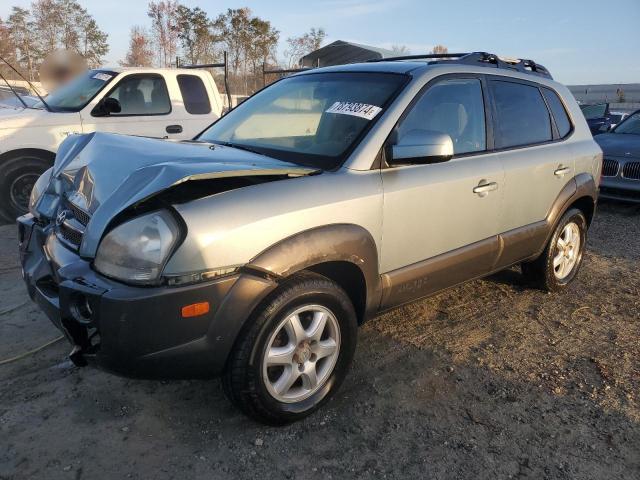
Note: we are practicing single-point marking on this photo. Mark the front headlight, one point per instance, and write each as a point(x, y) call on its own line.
point(38, 189)
point(137, 250)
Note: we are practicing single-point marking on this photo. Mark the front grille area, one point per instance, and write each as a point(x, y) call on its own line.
point(610, 167)
point(631, 170)
point(80, 215)
point(69, 234)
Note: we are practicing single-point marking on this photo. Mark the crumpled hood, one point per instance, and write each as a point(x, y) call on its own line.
point(619, 144)
point(106, 173)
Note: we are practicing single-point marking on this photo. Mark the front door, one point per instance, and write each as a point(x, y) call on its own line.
point(145, 109)
point(441, 220)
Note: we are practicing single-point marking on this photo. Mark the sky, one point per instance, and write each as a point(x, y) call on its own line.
point(579, 41)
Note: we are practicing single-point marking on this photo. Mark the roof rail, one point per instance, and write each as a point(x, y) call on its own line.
point(473, 58)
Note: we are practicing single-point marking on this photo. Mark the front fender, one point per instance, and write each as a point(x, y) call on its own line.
point(330, 243)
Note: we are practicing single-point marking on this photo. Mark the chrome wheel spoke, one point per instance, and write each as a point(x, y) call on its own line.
point(295, 330)
point(286, 380)
point(317, 326)
point(557, 260)
point(324, 348)
point(561, 241)
point(309, 377)
point(280, 355)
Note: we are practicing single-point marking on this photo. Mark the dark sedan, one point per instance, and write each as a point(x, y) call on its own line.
point(621, 164)
point(598, 117)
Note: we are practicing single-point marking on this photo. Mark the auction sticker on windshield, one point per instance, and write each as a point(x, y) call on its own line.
point(105, 77)
point(356, 109)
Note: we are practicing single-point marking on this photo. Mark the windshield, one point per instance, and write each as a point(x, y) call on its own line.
point(630, 125)
point(312, 120)
point(8, 97)
point(594, 111)
point(73, 96)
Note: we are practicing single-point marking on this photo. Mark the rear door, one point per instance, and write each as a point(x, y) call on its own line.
point(537, 163)
point(146, 109)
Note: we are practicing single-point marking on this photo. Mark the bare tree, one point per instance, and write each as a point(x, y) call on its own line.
point(164, 29)
point(250, 41)
point(20, 30)
point(400, 50)
point(300, 46)
point(439, 49)
point(140, 53)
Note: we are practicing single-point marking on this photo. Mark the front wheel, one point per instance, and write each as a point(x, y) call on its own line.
point(295, 353)
point(559, 263)
point(18, 175)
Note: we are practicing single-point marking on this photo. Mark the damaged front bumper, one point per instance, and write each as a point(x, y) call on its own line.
point(131, 330)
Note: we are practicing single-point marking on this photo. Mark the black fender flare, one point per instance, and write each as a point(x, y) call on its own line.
point(328, 243)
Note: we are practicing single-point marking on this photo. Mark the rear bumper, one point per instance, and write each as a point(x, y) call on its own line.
point(135, 331)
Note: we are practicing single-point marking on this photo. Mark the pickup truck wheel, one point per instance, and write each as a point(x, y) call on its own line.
point(295, 353)
point(559, 263)
point(17, 177)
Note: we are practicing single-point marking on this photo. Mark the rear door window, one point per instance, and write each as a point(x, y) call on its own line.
point(521, 116)
point(194, 94)
point(559, 113)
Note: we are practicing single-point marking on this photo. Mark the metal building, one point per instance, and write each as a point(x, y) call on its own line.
point(341, 52)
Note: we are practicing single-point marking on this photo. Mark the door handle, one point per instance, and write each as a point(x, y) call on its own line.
point(484, 188)
point(174, 129)
point(561, 171)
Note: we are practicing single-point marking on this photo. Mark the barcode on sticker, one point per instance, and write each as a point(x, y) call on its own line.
point(362, 110)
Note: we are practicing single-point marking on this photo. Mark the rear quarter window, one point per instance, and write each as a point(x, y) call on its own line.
point(194, 94)
point(557, 110)
point(522, 117)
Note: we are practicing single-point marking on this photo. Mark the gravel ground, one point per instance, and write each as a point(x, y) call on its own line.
point(488, 380)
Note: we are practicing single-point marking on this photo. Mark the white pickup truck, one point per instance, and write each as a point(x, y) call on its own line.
point(151, 102)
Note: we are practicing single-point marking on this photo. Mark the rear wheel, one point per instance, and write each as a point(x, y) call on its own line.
point(18, 175)
point(295, 353)
point(559, 263)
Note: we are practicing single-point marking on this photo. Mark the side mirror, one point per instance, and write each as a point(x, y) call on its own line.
point(421, 147)
point(106, 107)
point(605, 128)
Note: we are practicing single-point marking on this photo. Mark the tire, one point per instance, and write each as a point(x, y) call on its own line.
point(17, 177)
point(254, 388)
point(552, 271)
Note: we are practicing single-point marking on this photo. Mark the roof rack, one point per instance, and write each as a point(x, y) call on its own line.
point(488, 59)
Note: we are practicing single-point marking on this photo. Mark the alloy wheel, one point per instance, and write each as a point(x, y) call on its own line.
point(301, 353)
point(567, 251)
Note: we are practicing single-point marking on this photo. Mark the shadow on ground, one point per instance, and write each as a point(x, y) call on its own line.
point(488, 380)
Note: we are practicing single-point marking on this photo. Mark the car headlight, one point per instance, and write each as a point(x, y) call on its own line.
point(137, 250)
point(38, 189)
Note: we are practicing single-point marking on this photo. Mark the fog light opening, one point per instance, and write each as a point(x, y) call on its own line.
point(81, 309)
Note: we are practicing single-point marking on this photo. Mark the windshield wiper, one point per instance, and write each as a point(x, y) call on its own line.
point(49, 109)
point(239, 147)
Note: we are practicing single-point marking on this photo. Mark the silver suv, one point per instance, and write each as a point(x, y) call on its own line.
point(254, 251)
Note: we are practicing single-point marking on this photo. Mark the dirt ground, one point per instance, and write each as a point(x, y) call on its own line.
point(488, 380)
